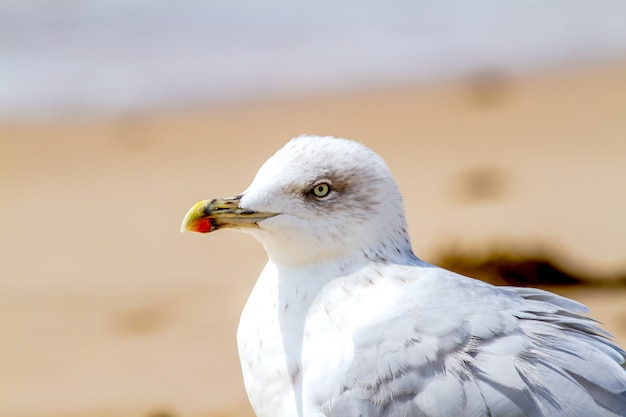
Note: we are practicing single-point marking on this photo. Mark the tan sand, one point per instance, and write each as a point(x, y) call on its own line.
point(107, 310)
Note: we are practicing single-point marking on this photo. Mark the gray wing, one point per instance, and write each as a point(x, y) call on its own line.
point(499, 352)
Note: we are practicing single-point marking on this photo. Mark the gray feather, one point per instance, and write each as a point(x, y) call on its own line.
point(513, 352)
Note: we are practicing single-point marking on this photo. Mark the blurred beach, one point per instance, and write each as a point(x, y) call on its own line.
point(107, 310)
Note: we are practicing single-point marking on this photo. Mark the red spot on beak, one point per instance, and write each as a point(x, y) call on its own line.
point(204, 225)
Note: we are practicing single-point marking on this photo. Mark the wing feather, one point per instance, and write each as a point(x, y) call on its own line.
point(485, 351)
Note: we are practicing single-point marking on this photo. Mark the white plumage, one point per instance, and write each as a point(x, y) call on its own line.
point(346, 321)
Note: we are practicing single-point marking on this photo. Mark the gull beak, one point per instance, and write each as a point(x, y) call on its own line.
point(209, 215)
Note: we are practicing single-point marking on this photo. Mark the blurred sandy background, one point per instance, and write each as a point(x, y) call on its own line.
point(107, 310)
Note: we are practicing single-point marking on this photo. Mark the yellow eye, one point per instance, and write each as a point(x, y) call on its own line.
point(321, 190)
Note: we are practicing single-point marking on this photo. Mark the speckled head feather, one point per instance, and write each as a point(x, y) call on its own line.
point(362, 213)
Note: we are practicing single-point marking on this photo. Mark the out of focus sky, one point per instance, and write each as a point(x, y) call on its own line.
point(93, 57)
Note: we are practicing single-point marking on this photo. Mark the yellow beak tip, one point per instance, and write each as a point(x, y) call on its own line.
point(196, 220)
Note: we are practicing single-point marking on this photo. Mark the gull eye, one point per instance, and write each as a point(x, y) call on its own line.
point(321, 189)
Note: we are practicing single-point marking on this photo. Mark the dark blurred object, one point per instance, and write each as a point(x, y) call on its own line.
point(508, 268)
point(489, 87)
point(161, 413)
point(481, 184)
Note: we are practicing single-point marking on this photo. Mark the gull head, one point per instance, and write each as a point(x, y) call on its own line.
point(317, 199)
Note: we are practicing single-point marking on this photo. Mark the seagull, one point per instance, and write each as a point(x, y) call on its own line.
point(345, 320)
